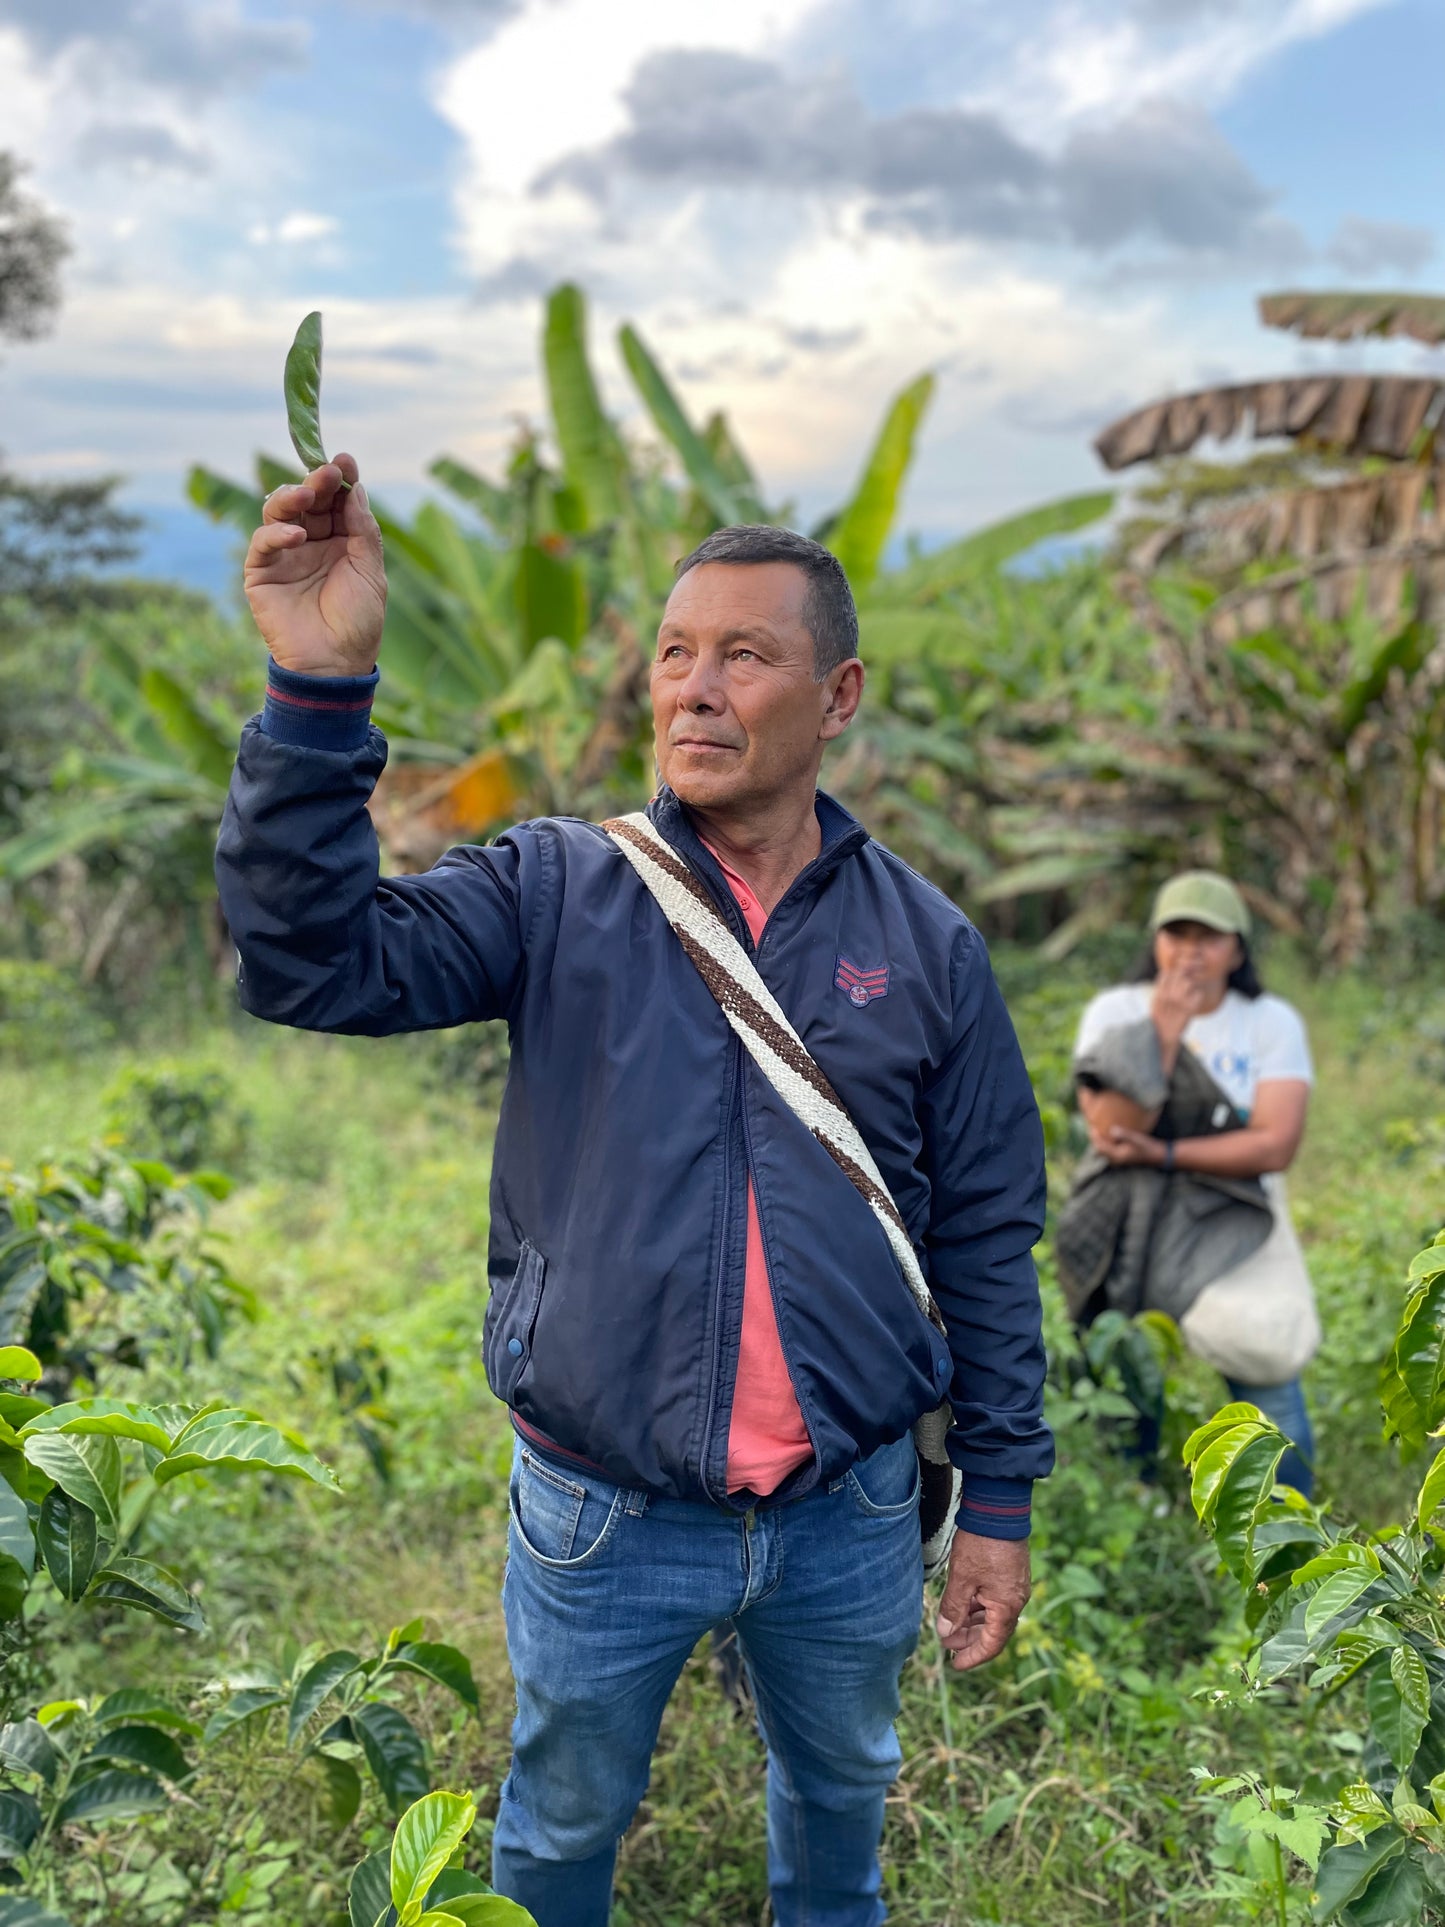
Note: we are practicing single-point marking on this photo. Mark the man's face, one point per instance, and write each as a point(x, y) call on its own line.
point(738, 718)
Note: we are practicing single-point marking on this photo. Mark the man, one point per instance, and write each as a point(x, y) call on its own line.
point(710, 1352)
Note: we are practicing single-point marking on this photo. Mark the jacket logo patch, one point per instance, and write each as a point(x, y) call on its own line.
point(861, 986)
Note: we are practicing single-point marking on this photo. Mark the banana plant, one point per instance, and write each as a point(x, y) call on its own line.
point(161, 793)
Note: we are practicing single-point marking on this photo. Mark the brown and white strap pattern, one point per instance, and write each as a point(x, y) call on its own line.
point(760, 1022)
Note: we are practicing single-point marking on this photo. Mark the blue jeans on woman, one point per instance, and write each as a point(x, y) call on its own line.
point(608, 1590)
point(1284, 1405)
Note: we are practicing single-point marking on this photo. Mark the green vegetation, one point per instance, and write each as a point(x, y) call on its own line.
point(211, 1713)
point(1059, 1785)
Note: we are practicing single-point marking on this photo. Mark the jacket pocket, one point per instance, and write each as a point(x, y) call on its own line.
point(510, 1322)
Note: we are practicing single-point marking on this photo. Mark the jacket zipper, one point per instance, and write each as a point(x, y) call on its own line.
point(720, 1289)
point(772, 1294)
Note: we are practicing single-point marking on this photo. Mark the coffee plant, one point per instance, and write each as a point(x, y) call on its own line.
point(106, 1268)
point(1345, 1609)
point(419, 1880)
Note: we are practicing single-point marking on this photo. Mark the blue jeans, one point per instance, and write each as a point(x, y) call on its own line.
point(607, 1592)
point(1284, 1405)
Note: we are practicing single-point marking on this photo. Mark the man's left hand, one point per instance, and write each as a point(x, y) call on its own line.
point(987, 1589)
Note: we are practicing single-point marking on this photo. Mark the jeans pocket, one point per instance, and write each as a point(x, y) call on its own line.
point(886, 1484)
point(510, 1322)
point(561, 1521)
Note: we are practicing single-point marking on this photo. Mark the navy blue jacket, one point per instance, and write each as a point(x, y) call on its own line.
point(633, 1116)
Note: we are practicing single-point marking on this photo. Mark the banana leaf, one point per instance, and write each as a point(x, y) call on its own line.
point(728, 503)
point(592, 454)
point(987, 549)
point(861, 532)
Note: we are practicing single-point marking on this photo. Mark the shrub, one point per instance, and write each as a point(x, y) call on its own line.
point(185, 1114)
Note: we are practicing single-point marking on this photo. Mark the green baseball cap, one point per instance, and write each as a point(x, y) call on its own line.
point(1201, 896)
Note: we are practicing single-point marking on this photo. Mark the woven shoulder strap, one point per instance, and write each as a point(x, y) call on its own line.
point(759, 1020)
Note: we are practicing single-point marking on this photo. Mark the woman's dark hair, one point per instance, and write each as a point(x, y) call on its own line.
point(1244, 977)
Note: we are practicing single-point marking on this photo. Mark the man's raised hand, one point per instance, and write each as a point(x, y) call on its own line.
point(986, 1590)
point(314, 575)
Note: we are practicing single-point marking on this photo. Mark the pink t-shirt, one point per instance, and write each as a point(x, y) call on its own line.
point(767, 1438)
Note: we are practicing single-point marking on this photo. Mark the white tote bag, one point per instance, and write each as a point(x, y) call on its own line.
point(1258, 1324)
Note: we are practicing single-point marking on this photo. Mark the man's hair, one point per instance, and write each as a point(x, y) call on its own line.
point(829, 613)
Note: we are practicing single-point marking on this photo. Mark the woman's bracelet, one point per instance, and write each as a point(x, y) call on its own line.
point(1168, 1154)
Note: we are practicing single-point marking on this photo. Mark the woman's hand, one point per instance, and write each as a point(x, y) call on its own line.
point(1120, 1145)
point(314, 576)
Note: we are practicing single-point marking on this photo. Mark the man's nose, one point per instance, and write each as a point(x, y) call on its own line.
point(701, 692)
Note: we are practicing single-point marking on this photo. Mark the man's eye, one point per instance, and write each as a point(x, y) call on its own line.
point(745, 655)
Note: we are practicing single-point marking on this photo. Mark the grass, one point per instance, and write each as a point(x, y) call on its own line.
point(1056, 1786)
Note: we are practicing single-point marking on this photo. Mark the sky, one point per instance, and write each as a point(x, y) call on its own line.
point(1063, 207)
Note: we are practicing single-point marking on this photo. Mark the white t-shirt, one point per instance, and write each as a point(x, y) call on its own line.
point(1243, 1044)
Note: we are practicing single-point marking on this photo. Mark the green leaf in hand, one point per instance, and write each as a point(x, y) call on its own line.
point(303, 393)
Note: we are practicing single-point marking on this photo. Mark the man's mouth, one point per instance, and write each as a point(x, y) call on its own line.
point(703, 746)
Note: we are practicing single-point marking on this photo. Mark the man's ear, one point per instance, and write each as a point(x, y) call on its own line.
point(844, 687)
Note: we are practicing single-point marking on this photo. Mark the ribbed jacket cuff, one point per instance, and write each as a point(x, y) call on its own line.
point(318, 712)
point(996, 1508)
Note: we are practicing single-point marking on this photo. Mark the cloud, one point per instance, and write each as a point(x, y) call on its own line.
point(1364, 248)
point(1161, 173)
point(195, 47)
point(293, 230)
point(139, 147)
point(520, 279)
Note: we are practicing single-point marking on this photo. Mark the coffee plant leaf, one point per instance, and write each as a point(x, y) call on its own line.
point(430, 1919)
point(19, 1910)
point(368, 1898)
point(343, 1789)
point(1408, 1379)
point(315, 1687)
point(1344, 1556)
point(248, 1704)
point(1335, 1596)
point(302, 386)
point(69, 1542)
point(1224, 1420)
point(1214, 1461)
point(142, 1746)
point(105, 1417)
point(1407, 1669)
point(1354, 1648)
point(1362, 1807)
point(394, 1751)
point(1394, 1722)
point(14, 1584)
point(1429, 1263)
point(20, 1821)
point(131, 1703)
point(1241, 1495)
point(426, 1837)
point(17, 1362)
point(1344, 1872)
point(403, 1636)
point(112, 1795)
point(17, 1536)
point(1394, 1898)
point(87, 1469)
point(1432, 1492)
point(445, 1665)
point(148, 1588)
point(452, 1885)
point(485, 1910)
point(241, 1442)
point(25, 1747)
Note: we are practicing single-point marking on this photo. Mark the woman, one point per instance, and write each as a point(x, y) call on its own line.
point(1194, 1076)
